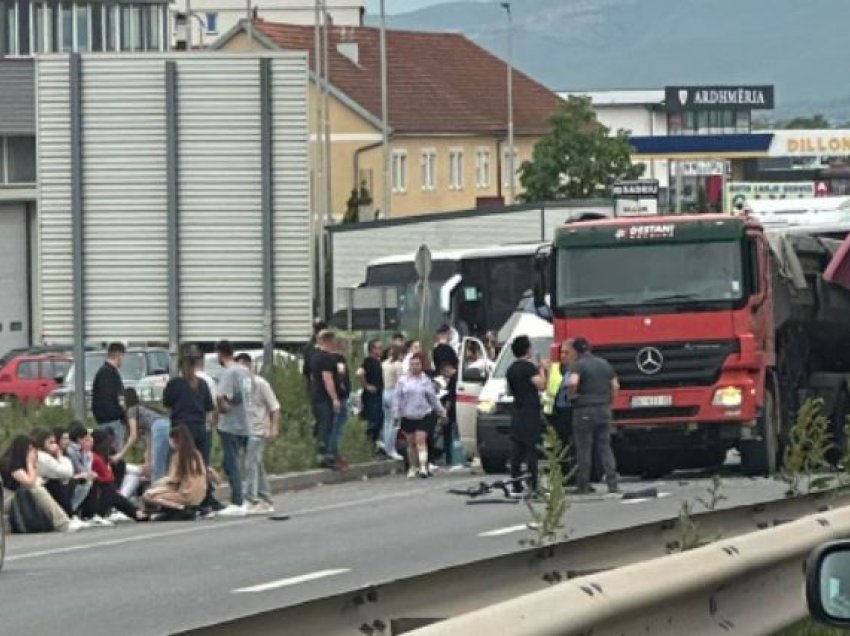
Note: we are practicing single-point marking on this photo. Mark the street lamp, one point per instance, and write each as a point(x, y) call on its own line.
point(511, 154)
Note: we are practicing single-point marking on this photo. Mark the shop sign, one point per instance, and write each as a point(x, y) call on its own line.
point(681, 98)
point(810, 143)
point(636, 188)
point(738, 193)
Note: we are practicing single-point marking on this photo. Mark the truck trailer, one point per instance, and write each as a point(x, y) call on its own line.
point(717, 329)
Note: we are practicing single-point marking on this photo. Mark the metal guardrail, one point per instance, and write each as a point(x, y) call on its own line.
point(402, 605)
point(751, 584)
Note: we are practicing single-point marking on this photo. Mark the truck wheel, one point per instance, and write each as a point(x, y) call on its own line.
point(759, 456)
point(494, 465)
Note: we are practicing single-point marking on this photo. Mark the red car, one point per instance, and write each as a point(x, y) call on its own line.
point(29, 378)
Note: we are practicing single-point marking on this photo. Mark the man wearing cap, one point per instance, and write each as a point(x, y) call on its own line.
point(592, 386)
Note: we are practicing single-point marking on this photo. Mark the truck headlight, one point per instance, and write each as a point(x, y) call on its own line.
point(487, 407)
point(728, 397)
point(53, 401)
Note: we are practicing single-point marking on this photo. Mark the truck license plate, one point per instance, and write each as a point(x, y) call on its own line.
point(644, 401)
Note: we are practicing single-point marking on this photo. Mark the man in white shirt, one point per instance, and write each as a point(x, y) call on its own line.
point(264, 420)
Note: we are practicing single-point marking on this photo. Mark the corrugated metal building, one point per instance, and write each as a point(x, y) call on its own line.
point(354, 246)
point(17, 200)
point(186, 179)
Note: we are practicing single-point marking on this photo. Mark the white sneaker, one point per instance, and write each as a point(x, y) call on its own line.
point(75, 525)
point(395, 455)
point(433, 468)
point(119, 517)
point(412, 473)
point(259, 508)
point(233, 511)
point(100, 521)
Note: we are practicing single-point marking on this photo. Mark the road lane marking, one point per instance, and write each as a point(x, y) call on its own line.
point(293, 580)
point(209, 526)
point(499, 532)
point(122, 541)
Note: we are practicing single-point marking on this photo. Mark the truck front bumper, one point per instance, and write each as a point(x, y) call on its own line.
point(732, 400)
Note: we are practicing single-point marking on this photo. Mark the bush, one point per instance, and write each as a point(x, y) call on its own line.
point(294, 450)
point(17, 419)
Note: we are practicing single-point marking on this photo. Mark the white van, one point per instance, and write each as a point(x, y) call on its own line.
point(484, 422)
point(815, 214)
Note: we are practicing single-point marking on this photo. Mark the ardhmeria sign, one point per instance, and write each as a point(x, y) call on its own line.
point(680, 98)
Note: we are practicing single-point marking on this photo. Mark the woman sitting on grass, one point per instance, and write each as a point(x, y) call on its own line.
point(186, 483)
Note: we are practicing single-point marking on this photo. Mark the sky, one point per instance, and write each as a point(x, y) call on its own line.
point(399, 6)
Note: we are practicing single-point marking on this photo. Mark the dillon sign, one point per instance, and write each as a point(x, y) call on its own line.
point(679, 98)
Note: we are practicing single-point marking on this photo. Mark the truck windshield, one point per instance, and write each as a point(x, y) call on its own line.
point(598, 278)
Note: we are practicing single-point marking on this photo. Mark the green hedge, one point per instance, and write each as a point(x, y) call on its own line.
point(294, 450)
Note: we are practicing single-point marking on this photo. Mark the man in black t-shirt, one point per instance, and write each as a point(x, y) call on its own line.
point(525, 382)
point(371, 377)
point(323, 391)
point(446, 363)
point(310, 349)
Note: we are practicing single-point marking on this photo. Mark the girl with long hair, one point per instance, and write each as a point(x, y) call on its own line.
point(392, 369)
point(186, 483)
point(415, 403)
point(19, 474)
point(104, 495)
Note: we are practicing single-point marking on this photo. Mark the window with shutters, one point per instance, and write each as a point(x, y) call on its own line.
point(429, 169)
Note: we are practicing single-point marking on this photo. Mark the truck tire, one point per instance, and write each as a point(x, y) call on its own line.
point(494, 465)
point(759, 456)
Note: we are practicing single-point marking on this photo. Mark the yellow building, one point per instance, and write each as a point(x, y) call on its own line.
point(447, 115)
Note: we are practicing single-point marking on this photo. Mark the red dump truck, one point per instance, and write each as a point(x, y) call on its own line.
point(717, 329)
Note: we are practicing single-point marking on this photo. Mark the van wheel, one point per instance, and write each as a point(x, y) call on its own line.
point(494, 465)
point(759, 456)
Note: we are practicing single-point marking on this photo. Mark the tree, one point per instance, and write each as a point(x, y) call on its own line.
point(578, 159)
point(816, 122)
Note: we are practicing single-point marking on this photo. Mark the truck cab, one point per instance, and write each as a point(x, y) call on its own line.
point(681, 308)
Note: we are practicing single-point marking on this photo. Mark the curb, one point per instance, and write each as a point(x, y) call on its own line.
point(294, 482)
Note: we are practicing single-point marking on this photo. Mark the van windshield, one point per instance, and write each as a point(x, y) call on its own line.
point(540, 348)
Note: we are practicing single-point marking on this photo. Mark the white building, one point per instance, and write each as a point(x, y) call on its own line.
point(641, 112)
point(212, 18)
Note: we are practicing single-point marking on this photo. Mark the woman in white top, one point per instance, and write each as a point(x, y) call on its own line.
point(54, 469)
point(392, 368)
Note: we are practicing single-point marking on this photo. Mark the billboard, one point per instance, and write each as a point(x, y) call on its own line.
point(738, 193)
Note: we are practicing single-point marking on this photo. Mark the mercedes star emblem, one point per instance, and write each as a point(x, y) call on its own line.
point(649, 360)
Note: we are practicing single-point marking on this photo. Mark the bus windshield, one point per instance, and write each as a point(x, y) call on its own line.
point(591, 278)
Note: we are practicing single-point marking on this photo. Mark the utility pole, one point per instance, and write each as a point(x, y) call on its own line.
point(250, 23)
point(319, 171)
point(326, 25)
point(188, 25)
point(385, 114)
point(511, 152)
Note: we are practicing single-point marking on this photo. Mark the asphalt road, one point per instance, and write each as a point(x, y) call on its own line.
point(159, 578)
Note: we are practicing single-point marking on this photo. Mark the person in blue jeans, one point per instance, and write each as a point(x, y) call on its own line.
point(235, 395)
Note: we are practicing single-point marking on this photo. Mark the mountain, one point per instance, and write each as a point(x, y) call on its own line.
point(797, 45)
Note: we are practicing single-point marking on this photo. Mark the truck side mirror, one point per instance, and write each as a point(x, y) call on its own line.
point(541, 263)
point(828, 583)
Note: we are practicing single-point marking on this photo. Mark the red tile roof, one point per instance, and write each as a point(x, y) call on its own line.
point(438, 82)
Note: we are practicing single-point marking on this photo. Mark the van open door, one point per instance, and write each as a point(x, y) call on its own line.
point(475, 368)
